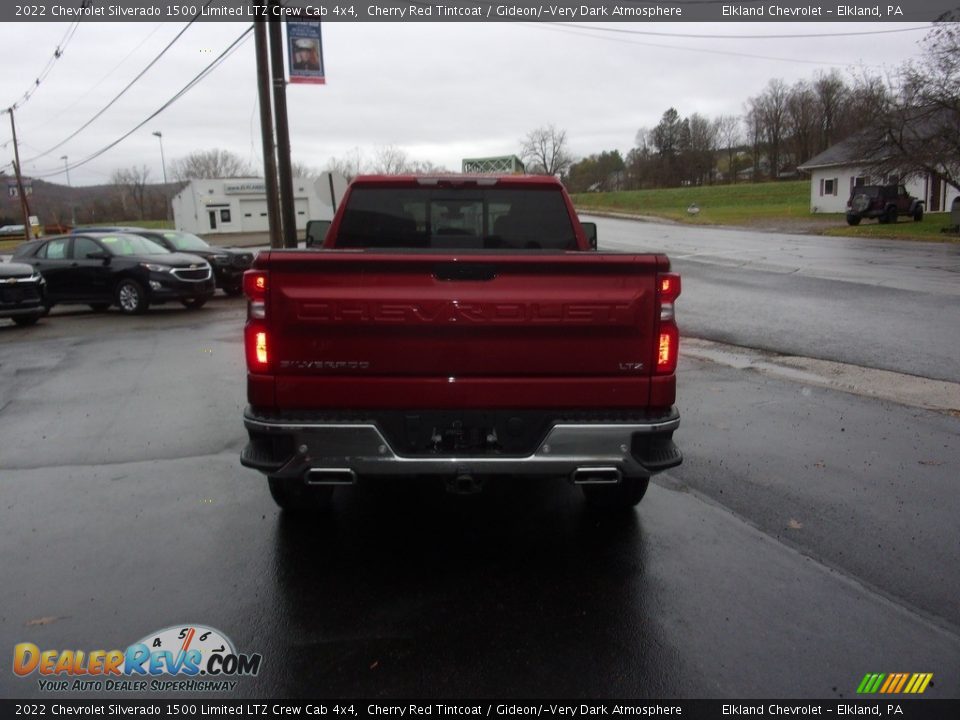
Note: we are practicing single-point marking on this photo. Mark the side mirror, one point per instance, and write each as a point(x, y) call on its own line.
point(316, 232)
point(590, 230)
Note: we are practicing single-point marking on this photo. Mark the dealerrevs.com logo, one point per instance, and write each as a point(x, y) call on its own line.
point(182, 658)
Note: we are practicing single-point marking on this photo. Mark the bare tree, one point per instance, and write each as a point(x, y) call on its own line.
point(802, 121)
point(350, 165)
point(131, 183)
point(753, 119)
point(831, 92)
point(640, 160)
point(214, 163)
point(729, 137)
point(773, 116)
point(426, 167)
point(544, 150)
point(915, 127)
point(302, 170)
point(701, 149)
point(390, 160)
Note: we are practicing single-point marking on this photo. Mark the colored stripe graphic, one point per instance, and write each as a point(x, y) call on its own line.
point(894, 683)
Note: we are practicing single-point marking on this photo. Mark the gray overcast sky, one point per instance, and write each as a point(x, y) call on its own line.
point(439, 91)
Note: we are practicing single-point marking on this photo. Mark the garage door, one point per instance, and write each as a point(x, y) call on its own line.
point(253, 216)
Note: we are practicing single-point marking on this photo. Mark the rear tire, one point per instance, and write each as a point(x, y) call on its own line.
point(892, 215)
point(234, 289)
point(622, 496)
point(295, 496)
point(853, 219)
point(194, 303)
point(25, 320)
point(918, 214)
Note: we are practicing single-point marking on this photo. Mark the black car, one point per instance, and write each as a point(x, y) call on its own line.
point(22, 293)
point(228, 264)
point(102, 269)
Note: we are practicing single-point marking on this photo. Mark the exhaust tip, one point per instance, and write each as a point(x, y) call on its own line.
point(330, 476)
point(596, 476)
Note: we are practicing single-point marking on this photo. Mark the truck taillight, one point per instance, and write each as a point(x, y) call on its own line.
point(257, 345)
point(255, 339)
point(255, 284)
point(668, 335)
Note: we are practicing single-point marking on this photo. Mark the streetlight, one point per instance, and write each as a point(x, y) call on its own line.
point(163, 164)
point(73, 210)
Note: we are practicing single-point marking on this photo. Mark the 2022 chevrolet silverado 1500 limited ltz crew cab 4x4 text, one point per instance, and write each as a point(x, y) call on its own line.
point(460, 327)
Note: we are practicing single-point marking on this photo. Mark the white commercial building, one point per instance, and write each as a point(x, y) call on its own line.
point(239, 205)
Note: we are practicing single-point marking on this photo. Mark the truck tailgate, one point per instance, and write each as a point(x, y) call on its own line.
point(375, 329)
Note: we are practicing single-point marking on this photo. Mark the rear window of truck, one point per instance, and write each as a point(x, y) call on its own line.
point(462, 219)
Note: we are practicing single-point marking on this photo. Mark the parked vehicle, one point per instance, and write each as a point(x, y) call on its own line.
point(22, 293)
point(883, 202)
point(103, 269)
point(228, 264)
point(460, 328)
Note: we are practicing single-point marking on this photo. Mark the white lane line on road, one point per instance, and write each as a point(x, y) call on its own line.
point(900, 388)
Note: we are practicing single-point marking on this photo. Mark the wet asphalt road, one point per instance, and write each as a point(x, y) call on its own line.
point(874, 303)
point(809, 537)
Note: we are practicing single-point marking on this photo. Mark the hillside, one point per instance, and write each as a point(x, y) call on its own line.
point(55, 203)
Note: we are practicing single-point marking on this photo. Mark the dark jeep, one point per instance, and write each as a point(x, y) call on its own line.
point(883, 202)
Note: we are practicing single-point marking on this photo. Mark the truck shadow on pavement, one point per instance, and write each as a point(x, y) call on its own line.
point(519, 591)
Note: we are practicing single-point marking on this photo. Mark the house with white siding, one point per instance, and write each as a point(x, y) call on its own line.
point(838, 169)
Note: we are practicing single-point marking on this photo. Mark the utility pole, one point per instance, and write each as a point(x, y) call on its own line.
point(287, 212)
point(27, 230)
point(266, 132)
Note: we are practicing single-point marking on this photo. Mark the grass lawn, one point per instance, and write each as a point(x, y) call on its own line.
point(152, 224)
point(719, 204)
point(784, 206)
point(929, 229)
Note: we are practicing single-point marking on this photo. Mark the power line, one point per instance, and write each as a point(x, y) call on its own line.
point(563, 28)
point(57, 54)
point(715, 36)
point(92, 88)
point(122, 92)
point(186, 88)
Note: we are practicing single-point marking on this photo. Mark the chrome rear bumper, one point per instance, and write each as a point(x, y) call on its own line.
point(344, 450)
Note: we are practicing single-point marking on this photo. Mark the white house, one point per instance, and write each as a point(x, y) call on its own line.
point(232, 205)
point(837, 170)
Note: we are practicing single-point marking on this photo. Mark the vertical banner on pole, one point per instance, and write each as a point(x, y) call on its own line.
point(305, 52)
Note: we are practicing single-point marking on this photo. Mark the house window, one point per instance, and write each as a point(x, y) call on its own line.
point(225, 215)
point(828, 186)
point(858, 181)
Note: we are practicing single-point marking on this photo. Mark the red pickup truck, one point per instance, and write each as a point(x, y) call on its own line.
point(460, 327)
